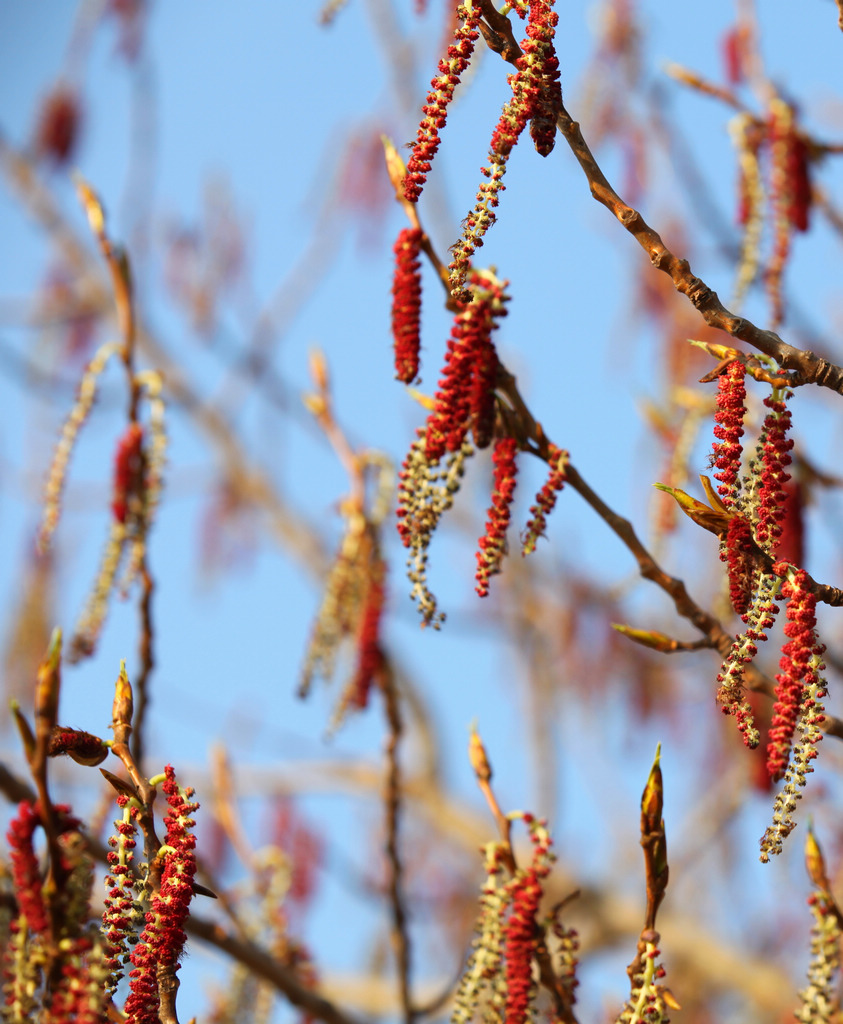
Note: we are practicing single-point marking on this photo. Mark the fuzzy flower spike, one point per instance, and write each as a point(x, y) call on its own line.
point(536, 100)
point(794, 663)
point(775, 447)
point(466, 396)
point(158, 953)
point(435, 110)
point(464, 406)
point(406, 304)
point(727, 450)
point(493, 543)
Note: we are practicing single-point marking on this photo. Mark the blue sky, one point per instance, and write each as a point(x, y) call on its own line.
point(261, 106)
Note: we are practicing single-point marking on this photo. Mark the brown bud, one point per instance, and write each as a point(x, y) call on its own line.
point(122, 786)
point(25, 729)
point(647, 638)
point(123, 706)
point(668, 998)
point(711, 519)
point(395, 166)
point(47, 686)
point(91, 205)
point(652, 799)
point(83, 747)
point(815, 862)
point(58, 125)
point(477, 757)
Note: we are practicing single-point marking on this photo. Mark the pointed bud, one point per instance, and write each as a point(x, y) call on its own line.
point(815, 862)
point(721, 352)
point(713, 497)
point(318, 369)
point(647, 638)
point(122, 786)
point(708, 518)
point(123, 706)
point(47, 686)
point(25, 729)
point(91, 205)
point(652, 799)
point(668, 998)
point(653, 840)
point(82, 747)
point(397, 171)
point(477, 757)
point(395, 166)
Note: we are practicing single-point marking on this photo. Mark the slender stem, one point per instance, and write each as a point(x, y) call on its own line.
point(533, 439)
point(263, 965)
point(502, 821)
point(392, 800)
point(811, 369)
point(147, 661)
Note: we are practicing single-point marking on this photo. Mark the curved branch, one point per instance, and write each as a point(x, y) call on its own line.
point(392, 801)
point(532, 438)
point(809, 367)
point(267, 967)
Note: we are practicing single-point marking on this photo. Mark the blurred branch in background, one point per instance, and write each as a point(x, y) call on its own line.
point(225, 377)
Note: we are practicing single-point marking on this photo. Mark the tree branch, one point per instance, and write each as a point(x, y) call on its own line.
point(392, 799)
point(810, 368)
point(267, 967)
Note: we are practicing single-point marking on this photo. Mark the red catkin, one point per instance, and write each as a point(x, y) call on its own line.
point(162, 940)
point(26, 872)
point(735, 52)
point(738, 554)
point(435, 110)
point(369, 652)
point(58, 126)
point(406, 305)
point(546, 101)
point(791, 542)
point(127, 463)
point(493, 543)
point(466, 396)
point(557, 459)
point(520, 939)
point(775, 457)
point(794, 663)
point(727, 450)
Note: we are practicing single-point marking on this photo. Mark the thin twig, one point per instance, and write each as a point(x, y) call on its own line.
point(811, 368)
point(46, 710)
point(262, 965)
point(534, 439)
point(696, 81)
point(147, 660)
point(249, 481)
point(609, 912)
point(392, 800)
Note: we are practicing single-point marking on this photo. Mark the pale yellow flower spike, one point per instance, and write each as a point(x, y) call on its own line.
point(73, 424)
point(753, 197)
